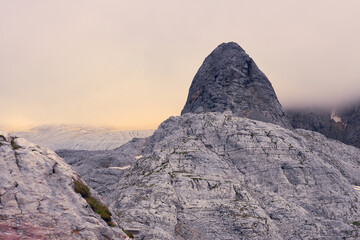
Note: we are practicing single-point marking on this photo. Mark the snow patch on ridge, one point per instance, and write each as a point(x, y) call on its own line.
point(334, 117)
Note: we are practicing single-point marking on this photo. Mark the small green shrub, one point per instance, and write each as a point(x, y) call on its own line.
point(14, 145)
point(95, 204)
point(81, 188)
point(356, 223)
point(128, 233)
point(100, 209)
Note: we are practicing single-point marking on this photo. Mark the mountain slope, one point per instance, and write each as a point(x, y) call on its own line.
point(37, 198)
point(218, 176)
point(80, 137)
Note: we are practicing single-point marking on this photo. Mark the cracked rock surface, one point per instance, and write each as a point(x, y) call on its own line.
point(219, 176)
point(37, 199)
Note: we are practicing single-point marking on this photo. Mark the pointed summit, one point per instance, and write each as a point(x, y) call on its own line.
point(229, 80)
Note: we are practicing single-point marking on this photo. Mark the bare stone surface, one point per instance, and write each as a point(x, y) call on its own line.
point(229, 80)
point(37, 199)
point(218, 176)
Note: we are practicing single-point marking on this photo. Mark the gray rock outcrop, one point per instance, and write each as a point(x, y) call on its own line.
point(37, 197)
point(229, 80)
point(219, 176)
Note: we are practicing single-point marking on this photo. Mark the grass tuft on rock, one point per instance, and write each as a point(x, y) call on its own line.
point(81, 188)
point(94, 203)
point(14, 145)
point(128, 233)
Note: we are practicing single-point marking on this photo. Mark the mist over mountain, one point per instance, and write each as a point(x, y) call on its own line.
point(179, 120)
point(230, 167)
point(341, 123)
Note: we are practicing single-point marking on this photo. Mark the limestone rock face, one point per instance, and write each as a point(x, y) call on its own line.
point(37, 199)
point(229, 80)
point(219, 176)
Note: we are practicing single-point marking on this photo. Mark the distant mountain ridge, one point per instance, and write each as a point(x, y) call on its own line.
point(342, 124)
point(80, 137)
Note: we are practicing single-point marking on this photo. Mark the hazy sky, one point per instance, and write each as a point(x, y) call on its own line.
point(129, 64)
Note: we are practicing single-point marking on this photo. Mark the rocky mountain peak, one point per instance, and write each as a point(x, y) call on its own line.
point(229, 80)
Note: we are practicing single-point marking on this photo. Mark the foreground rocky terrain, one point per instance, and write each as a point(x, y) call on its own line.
point(342, 125)
point(218, 176)
point(80, 137)
point(38, 200)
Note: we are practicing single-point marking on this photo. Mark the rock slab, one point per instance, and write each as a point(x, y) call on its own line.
point(37, 198)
